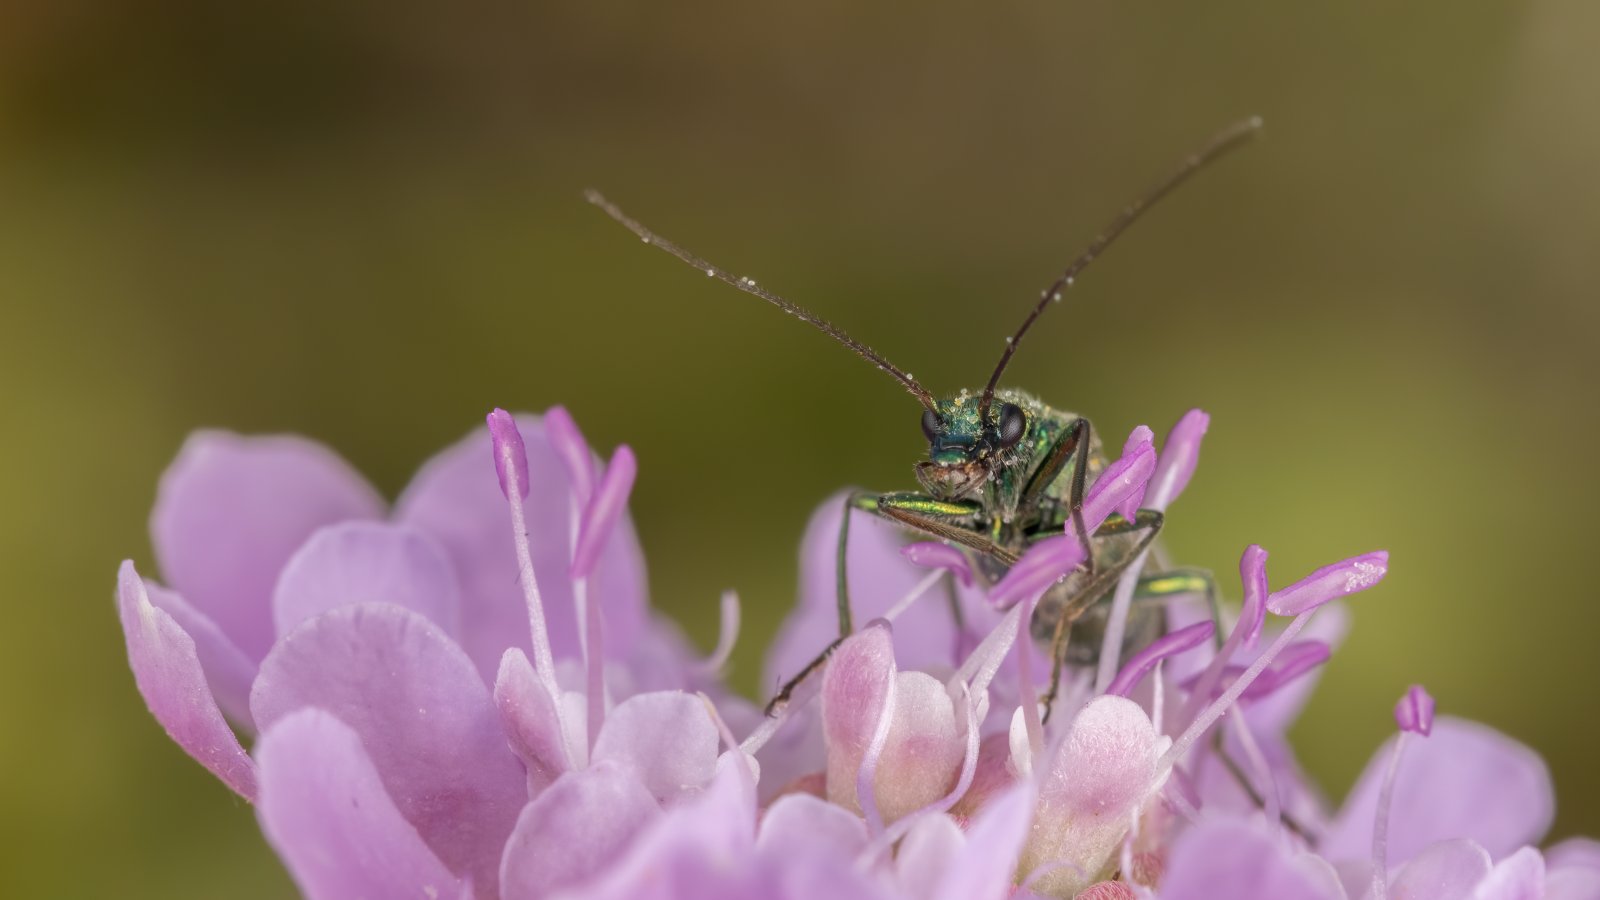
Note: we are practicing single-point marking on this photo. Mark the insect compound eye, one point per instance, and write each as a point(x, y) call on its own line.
point(1012, 422)
point(930, 425)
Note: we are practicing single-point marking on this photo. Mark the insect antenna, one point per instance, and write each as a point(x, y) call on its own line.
point(749, 286)
point(1219, 144)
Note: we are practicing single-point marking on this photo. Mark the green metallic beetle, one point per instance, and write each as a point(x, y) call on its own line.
point(1005, 470)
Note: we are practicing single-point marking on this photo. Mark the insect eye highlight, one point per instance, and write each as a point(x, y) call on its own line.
point(1013, 421)
point(930, 425)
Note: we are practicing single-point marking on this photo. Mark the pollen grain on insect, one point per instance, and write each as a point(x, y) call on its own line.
point(710, 272)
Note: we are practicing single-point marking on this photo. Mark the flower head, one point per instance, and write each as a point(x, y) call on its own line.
point(467, 697)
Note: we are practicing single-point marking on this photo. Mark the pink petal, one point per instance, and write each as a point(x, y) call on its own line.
point(1464, 781)
point(532, 726)
point(699, 849)
point(1140, 438)
point(922, 758)
point(925, 636)
point(1099, 776)
point(231, 510)
point(367, 562)
point(1519, 876)
point(855, 687)
point(575, 831)
point(801, 820)
point(228, 671)
point(1578, 852)
point(1331, 582)
point(324, 809)
point(1572, 870)
point(665, 739)
point(1179, 457)
point(455, 499)
point(984, 866)
point(923, 857)
point(1447, 870)
point(167, 669)
point(1221, 857)
point(423, 714)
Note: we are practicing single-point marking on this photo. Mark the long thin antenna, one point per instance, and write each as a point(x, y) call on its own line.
point(1220, 143)
point(749, 286)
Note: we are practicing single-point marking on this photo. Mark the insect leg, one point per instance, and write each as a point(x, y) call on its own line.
point(940, 519)
point(1148, 522)
point(916, 510)
point(1074, 442)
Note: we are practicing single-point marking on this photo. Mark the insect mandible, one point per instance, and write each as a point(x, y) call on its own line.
point(1005, 470)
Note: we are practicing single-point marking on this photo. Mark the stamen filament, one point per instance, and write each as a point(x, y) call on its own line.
point(1219, 706)
point(1380, 823)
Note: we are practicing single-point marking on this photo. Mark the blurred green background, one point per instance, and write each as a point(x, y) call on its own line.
point(363, 222)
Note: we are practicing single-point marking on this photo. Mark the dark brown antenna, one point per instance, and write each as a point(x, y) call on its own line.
point(1220, 143)
point(749, 286)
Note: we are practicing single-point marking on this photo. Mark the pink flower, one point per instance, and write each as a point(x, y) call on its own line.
point(470, 699)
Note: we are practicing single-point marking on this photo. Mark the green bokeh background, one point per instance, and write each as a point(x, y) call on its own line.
point(363, 222)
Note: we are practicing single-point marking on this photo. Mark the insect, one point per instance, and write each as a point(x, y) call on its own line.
point(1005, 470)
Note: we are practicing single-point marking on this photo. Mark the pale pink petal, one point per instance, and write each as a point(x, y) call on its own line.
point(533, 728)
point(801, 820)
point(324, 809)
point(1572, 870)
point(1464, 781)
point(1224, 857)
point(694, 850)
point(423, 714)
point(168, 673)
point(1572, 884)
point(984, 867)
point(665, 739)
point(855, 688)
point(455, 498)
point(922, 759)
point(923, 858)
point(575, 831)
point(367, 562)
point(1447, 870)
point(1099, 776)
point(231, 510)
point(228, 670)
point(994, 774)
point(1578, 852)
point(1519, 876)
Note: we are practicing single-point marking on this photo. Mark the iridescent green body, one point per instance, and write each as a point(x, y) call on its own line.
point(996, 498)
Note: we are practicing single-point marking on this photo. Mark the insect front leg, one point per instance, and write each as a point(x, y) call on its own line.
point(919, 511)
point(1074, 443)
